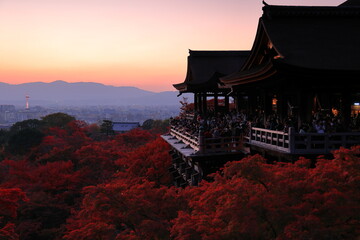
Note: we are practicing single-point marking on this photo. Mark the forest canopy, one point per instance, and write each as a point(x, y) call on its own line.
point(74, 182)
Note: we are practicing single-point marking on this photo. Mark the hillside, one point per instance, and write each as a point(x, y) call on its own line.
point(82, 93)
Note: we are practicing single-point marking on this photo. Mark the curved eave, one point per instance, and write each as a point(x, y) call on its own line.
point(211, 84)
point(204, 87)
point(256, 74)
point(181, 87)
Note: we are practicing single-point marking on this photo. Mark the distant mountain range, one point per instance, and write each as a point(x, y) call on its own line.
point(82, 93)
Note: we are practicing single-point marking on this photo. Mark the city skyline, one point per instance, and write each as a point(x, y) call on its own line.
point(121, 43)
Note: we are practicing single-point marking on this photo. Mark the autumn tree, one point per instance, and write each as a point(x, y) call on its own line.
point(49, 176)
point(136, 201)
point(251, 199)
point(150, 161)
point(125, 209)
point(52, 190)
point(9, 203)
point(81, 186)
point(25, 135)
point(22, 141)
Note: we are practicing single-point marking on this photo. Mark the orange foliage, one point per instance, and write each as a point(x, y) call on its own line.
point(254, 200)
point(118, 187)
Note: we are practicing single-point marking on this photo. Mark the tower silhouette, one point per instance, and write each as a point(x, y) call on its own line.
point(27, 102)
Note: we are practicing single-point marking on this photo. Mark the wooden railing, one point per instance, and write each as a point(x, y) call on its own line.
point(286, 142)
point(276, 140)
point(302, 143)
point(207, 145)
point(185, 137)
point(221, 144)
point(323, 143)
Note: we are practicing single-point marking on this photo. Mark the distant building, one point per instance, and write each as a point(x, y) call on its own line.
point(122, 127)
point(4, 112)
point(4, 108)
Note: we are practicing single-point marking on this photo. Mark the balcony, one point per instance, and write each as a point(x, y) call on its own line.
point(302, 143)
point(289, 142)
point(199, 145)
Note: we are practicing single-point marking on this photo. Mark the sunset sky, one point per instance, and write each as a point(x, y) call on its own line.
point(137, 43)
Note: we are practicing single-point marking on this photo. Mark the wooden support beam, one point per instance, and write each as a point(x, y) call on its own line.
point(345, 111)
point(305, 101)
point(196, 107)
point(204, 102)
point(216, 102)
point(226, 103)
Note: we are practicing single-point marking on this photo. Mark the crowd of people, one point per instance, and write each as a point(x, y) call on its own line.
point(212, 124)
point(216, 124)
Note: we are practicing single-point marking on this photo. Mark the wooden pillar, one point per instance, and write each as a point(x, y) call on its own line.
point(282, 106)
point(216, 102)
point(201, 141)
point(226, 103)
point(306, 104)
point(251, 103)
point(196, 108)
point(204, 102)
point(324, 98)
point(346, 102)
point(199, 103)
point(291, 139)
point(267, 103)
point(237, 101)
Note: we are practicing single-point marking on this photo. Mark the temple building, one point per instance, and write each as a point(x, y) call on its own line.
point(296, 93)
point(204, 70)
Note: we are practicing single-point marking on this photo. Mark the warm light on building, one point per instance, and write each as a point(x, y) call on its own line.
point(355, 109)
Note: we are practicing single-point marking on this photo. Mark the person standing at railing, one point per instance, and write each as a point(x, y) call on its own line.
point(303, 129)
point(319, 126)
point(215, 133)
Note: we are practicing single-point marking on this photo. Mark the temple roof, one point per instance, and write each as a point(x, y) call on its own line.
point(315, 37)
point(318, 38)
point(350, 3)
point(206, 67)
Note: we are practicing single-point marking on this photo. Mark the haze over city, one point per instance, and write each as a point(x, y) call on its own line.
point(121, 43)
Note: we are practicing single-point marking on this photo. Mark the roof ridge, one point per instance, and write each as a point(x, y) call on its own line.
point(217, 53)
point(350, 3)
point(310, 11)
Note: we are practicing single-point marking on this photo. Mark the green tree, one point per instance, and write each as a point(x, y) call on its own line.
point(106, 127)
point(26, 124)
point(57, 120)
point(4, 135)
point(158, 126)
point(161, 126)
point(148, 124)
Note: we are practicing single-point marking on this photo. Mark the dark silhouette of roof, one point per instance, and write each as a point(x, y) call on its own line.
point(317, 38)
point(350, 3)
point(206, 67)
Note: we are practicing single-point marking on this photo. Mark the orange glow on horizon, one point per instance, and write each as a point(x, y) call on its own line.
point(133, 43)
